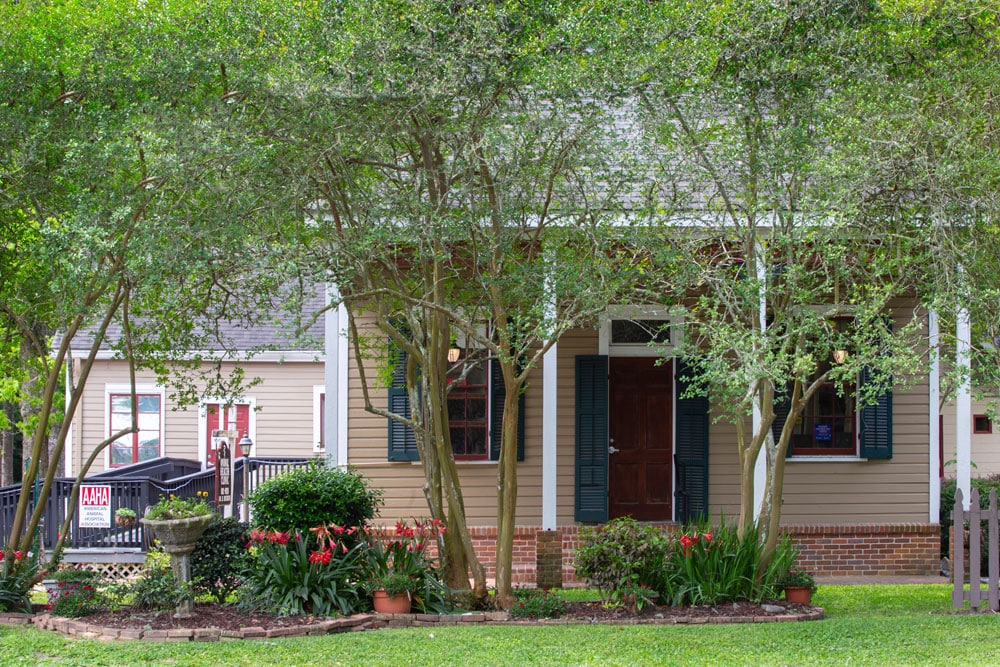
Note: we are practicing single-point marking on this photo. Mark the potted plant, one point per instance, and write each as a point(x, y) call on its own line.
point(798, 586)
point(125, 517)
point(397, 564)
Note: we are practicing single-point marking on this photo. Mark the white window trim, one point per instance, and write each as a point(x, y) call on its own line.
point(318, 391)
point(638, 312)
point(126, 388)
point(203, 423)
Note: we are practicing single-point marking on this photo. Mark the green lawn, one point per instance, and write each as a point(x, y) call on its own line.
point(865, 625)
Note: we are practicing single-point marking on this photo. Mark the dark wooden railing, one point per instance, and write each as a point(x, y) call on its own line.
point(138, 487)
point(974, 519)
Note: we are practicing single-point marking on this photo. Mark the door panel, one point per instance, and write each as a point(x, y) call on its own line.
point(640, 413)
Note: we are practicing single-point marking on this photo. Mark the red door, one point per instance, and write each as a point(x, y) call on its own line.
point(235, 417)
point(640, 468)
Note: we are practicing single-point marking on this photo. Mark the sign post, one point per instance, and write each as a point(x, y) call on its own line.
point(224, 478)
point(95, 506)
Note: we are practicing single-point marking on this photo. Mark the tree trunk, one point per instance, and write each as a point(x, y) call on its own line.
point(6, 457)
point(507, 495)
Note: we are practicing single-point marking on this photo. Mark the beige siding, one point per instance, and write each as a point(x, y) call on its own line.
point(402, 482)
point(284, 415)
point(839, 492)
point(985, 452)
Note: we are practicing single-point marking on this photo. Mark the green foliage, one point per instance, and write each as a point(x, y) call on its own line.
point(156, 587)
point(695, 564)
point(797, 579)
point(220, 558)
point(314, 496)
point(948, 486)
point(175, 507)
point(286, 577)
point(79, 592)
point(621, 553)
point(537, 603)
point(396, 560)
point(16, 580)
point(713, 565)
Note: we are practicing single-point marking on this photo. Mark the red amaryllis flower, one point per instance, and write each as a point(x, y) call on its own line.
point(687, 541)
point(322, 557)
point(708, 536)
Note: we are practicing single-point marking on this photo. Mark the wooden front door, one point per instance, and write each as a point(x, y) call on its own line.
point(640, 468)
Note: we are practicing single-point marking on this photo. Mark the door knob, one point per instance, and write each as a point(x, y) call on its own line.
point(613, 450)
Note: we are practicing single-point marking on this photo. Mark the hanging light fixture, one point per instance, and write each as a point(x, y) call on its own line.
point(840, 356)
point(454, 354)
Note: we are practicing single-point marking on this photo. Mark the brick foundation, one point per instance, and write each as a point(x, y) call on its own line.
point(826, 550)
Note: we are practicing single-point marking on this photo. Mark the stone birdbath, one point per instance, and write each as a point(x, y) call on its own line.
point(178, 537)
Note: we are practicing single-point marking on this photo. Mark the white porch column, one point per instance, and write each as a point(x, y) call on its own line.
point(963, 406)
point(933, 415)
point(550, 402)
point(550, 412)
point(335, 379)
point(760, 465)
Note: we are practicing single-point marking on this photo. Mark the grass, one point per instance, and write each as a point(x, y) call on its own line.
point(865, 625)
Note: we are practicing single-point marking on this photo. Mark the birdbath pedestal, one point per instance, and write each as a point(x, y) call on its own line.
point(178, 537)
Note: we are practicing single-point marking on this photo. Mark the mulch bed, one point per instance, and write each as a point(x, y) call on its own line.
point(224, 617)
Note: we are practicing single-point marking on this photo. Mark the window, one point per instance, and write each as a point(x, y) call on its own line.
point(832, 424)
point(827, 425)
point(982, 424)
point(145, 444)
point(475, 413)
point(467, 418)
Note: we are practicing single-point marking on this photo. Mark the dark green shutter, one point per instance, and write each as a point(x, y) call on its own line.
point(782, 406)
point(498, 394)
point(402, 441)
point(876, 420)
point(876, 424)
point(591, 438)
point(691, 494)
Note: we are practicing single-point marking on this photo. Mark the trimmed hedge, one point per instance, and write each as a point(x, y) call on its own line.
point(307, 497)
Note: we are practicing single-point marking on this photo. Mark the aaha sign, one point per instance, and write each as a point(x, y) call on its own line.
point(95, 506)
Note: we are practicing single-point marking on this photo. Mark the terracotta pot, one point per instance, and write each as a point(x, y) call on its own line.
point(395, 604)
point(800, 594)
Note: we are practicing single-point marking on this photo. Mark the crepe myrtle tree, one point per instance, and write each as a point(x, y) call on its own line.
point(124, 217)
point(745, 105)
point(461, 181)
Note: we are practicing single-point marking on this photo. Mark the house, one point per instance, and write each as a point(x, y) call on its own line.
point(281, 414)
point(606, 433)
point(983, 435)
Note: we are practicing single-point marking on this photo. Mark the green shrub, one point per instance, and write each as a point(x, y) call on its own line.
point(290, 578)
point(156, 587)
point(15, 581)
point(697, 564)
point(622, 553)
point(537, 603)
point(220, 558)
point(712, 564)
point(948, 486)
point(314, 496)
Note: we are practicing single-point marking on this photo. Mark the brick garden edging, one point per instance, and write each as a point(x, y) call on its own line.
point(72, 627)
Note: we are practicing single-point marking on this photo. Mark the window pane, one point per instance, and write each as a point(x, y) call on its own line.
point(149, 422)
point(120, 421)
point(476, 409)
point(476, 439)
point(121, 453)
point(149, 403)
point(121, 404)
point(640, 331)
point(456, 409)
point(149, 449)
